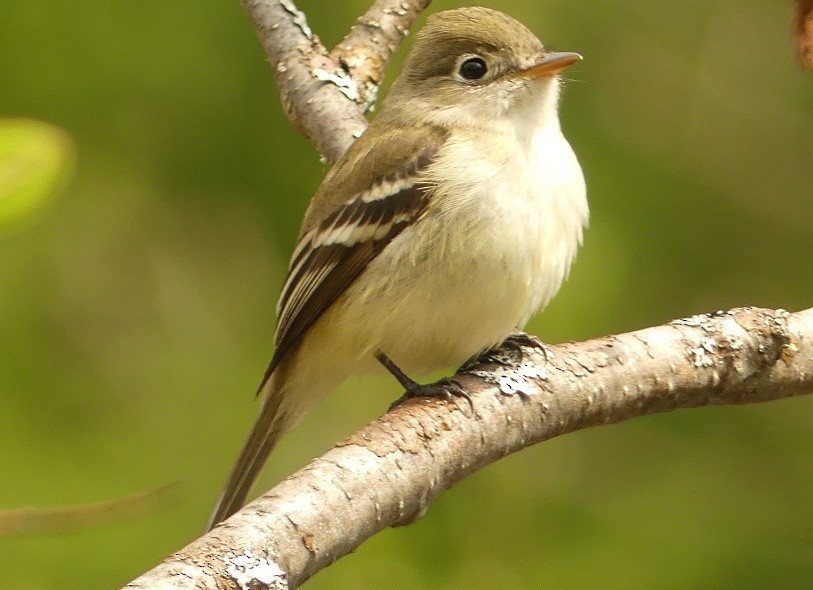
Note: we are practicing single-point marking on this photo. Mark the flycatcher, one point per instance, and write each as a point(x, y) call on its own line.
point(442, 229)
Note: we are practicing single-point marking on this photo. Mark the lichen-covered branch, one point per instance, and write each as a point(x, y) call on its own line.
point(316, 107)
point(389, 472)
point(372, 41)
point(325, 95)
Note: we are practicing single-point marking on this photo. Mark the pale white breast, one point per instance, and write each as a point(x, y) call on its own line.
point(494, 249)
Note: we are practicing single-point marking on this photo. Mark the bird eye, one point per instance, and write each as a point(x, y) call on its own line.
point(473, 68)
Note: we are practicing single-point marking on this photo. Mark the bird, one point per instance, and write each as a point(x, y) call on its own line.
point(441, 230)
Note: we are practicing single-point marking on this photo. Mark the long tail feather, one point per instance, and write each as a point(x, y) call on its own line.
point(271, 424)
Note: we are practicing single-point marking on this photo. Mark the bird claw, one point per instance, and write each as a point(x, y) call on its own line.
point(517, 341)
point(447, 388)
point(514, 343)
point(523, 339)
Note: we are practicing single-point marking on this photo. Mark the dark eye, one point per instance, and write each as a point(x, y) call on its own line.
point(473, 68)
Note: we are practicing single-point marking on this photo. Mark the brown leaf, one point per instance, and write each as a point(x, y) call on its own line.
point(804, 32)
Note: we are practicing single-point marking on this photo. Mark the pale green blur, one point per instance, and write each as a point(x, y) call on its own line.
point(137, 296)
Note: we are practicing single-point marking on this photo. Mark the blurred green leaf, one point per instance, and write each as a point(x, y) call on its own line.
point(35, 159)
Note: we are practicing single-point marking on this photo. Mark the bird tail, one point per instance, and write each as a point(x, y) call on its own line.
point(271, 424)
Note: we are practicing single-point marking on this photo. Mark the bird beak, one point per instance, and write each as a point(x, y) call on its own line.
point(551, 64)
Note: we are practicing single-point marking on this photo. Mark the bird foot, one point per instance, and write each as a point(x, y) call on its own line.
point(520, 339)
point(447, 388)
point(514, 344)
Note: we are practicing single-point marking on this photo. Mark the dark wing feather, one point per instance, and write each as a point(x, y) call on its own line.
point(334, 252)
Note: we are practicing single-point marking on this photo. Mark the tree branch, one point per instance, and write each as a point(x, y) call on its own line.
point(388, 473)
point(325, 95)
point(372, 41)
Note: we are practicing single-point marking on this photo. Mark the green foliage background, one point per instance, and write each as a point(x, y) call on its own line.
point(136, 302)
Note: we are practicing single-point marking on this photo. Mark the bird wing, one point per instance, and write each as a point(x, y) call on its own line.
point(337, 244)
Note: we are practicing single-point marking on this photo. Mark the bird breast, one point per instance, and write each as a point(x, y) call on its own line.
point(495, 245)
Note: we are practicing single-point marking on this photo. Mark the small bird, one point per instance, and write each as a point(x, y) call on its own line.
point(442, 229)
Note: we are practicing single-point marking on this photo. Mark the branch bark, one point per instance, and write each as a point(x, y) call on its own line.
point(388, 473)
point(325, 95)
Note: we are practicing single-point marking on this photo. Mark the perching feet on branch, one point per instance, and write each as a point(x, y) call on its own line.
point(447, 388)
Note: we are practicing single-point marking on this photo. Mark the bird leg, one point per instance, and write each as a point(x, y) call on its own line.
point(447, 388)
